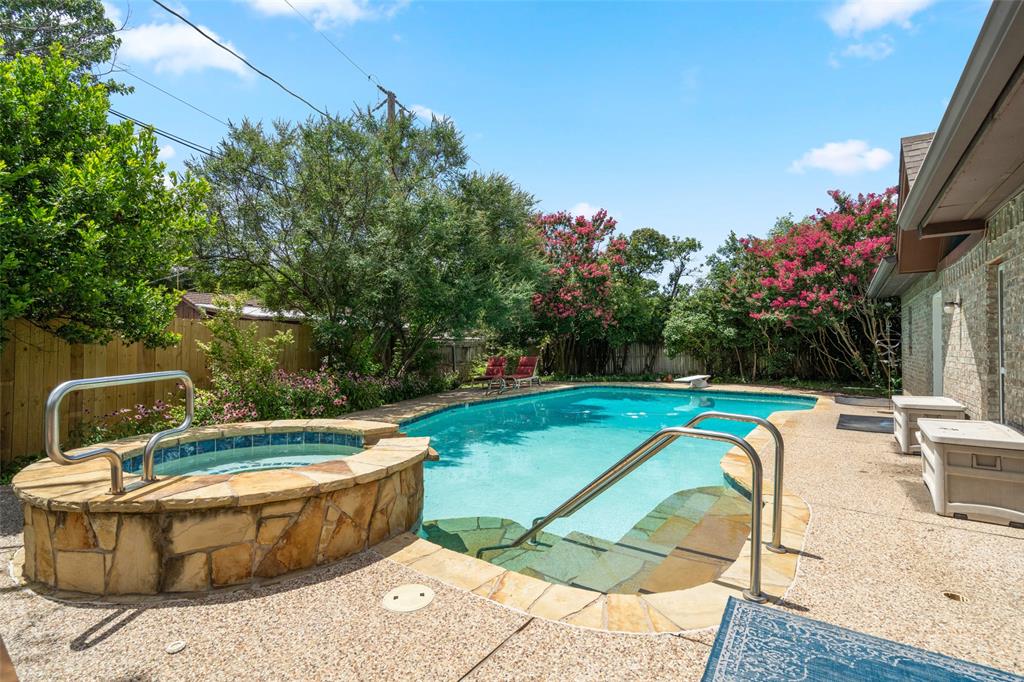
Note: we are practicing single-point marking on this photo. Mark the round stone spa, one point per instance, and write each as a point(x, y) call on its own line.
point(232, 504)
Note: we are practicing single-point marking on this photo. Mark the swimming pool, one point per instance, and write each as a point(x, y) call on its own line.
point(518, 458)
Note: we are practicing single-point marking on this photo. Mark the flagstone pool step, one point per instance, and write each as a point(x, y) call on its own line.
point(706, 528)
point(690, 538)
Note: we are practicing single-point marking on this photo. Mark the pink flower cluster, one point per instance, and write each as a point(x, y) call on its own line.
point(236, 412)
point(819, 266)
point(583, 253)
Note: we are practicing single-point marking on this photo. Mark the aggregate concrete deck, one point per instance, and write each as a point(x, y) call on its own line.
point(876, 559)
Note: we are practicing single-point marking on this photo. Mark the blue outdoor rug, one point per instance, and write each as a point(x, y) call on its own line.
point(758, 643)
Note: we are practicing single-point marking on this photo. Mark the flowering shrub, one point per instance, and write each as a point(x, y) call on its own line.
point(366, 392)
point(122, 423)
point(812, 278)
point(574, 305)
point(794, 303)
point(582, 253)
point(286, 395)
point(316, 394)
point(816, 273)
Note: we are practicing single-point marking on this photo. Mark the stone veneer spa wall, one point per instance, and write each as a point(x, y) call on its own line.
point(199, 532)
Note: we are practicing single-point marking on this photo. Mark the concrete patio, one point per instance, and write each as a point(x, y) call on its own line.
point(876, 559)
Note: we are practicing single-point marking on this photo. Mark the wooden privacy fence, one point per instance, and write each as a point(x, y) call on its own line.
point(636, 360)
point(459, 355)
point(35, 361)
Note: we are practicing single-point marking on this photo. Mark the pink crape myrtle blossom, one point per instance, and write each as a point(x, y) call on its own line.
point(816, 272)
point(583, 254)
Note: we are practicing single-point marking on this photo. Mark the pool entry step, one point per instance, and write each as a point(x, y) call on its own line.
point(690, 538)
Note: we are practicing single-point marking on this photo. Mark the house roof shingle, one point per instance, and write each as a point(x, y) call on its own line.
point(253, 309)
point(913, 149)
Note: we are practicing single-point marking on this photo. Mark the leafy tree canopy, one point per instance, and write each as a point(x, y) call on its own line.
point(32, 27)
point(89, 231)
point(374, 230)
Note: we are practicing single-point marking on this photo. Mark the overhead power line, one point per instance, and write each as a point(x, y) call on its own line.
point(369, 76)
point(173, 96)
point(194, 146)
point(245, 61)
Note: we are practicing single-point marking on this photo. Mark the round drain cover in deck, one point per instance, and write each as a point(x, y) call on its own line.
point(406, 598)
point(175, 646)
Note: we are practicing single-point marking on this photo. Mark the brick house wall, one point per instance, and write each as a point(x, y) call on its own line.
point(970, 333)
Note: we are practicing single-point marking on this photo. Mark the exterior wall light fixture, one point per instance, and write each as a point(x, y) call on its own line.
point(949, 307)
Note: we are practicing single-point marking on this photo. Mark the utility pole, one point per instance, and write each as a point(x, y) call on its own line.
point(391, 107)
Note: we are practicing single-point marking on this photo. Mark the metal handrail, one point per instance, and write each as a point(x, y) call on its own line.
point(776, 542)
point(52, 426)
point(645, 451)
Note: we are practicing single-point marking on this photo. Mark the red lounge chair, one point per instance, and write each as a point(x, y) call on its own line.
point(526, 372)
point(495, 369)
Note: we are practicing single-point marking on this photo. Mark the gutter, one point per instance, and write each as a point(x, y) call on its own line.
point(889, 282)
point(886, 267)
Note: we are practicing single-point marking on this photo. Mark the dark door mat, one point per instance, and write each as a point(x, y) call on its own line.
point(856, 422)
point(862, 402)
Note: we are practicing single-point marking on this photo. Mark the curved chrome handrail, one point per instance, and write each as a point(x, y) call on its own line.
point(776, 542)
point(52, 424)
point(645, 451)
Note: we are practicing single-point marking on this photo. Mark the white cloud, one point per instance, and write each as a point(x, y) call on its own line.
point(843, 158)
point(426, 113)
point(875, 50)
point(854, 17)
point(583, 209)
point(327, 13)
point(178, 49)
point(166, 152)
point(113, 12)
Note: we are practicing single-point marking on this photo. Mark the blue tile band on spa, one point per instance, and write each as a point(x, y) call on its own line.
point(757, 644)
point(233, 454)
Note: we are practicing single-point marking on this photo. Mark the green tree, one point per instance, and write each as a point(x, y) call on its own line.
point(89, 231)
point(32, 27)
point(374, 230)
point(641, 305)
point(710, 319)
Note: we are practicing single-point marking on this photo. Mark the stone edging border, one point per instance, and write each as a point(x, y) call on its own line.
point(695, 608)
point(85, 486)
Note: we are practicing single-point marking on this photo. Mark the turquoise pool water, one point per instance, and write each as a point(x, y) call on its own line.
point(519, 458)
point(254, 459)
point(232, 454)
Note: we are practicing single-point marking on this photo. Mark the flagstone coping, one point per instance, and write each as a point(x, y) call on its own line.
point(86, 486)
point(193, 534)
point(695, 608)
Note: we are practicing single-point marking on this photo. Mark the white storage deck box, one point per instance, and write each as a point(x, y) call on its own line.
point(974, 469)
point(907, 409)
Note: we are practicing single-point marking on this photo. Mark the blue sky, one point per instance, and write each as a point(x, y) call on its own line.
point(692, 118)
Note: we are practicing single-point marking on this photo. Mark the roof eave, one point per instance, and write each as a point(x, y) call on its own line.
point(993, 52)
point(889, 282)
